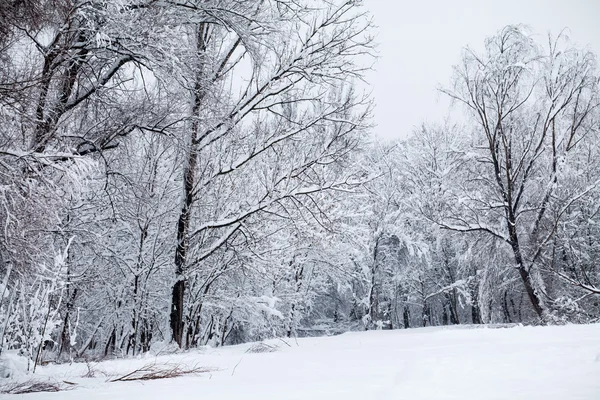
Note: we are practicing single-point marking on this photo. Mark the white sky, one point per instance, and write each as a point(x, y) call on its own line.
point(420, 40)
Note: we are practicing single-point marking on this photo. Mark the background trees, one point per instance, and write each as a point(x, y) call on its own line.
point(532, 107)
point(199, 173)
point(156, 144)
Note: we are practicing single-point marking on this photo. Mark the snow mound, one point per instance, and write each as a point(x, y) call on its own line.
point(13, 366)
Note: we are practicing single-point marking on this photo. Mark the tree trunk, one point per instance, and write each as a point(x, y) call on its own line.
point(181, 253)
point(65, 335)
point(525, 275)
point(177, 311)
point(523, 272)
point(475, 311)
point(406, 316)
point(507, 316)
point(189, 181)
point(533, 297)
point(375, 288)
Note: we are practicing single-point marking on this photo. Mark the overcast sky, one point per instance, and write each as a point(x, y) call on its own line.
point(419, 41)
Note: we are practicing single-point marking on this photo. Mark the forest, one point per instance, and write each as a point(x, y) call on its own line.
point(207, 172)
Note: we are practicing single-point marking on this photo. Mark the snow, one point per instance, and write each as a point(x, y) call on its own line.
point(13, 366)
point(559, 362)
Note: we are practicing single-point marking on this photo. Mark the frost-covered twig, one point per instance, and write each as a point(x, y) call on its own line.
point(157, 371)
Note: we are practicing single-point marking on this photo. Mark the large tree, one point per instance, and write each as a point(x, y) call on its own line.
point(531, 108)
point(269, 111)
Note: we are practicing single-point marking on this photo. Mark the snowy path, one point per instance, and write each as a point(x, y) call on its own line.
point(561, 363)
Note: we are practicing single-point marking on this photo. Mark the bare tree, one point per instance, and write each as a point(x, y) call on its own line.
point(530, 110)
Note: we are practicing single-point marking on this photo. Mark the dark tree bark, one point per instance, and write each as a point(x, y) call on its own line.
point(475, 311)
point(177, 311)
point(189, 182)
point(406, 316)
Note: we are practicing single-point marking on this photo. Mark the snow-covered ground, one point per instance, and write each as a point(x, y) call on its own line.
point(561, 362)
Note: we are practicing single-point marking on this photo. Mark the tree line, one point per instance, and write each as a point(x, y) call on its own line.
point(204, 172)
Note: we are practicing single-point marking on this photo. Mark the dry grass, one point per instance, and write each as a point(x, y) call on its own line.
point(34, 386)
point(262, 348)
point(93, 370)
point(160, 371)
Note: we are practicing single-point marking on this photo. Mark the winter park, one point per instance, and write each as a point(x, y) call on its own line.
point(299, 199)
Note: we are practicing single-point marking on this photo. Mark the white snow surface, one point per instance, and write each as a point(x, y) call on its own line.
point(558, 362)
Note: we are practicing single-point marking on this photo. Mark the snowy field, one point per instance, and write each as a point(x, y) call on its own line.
point(561, 363)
